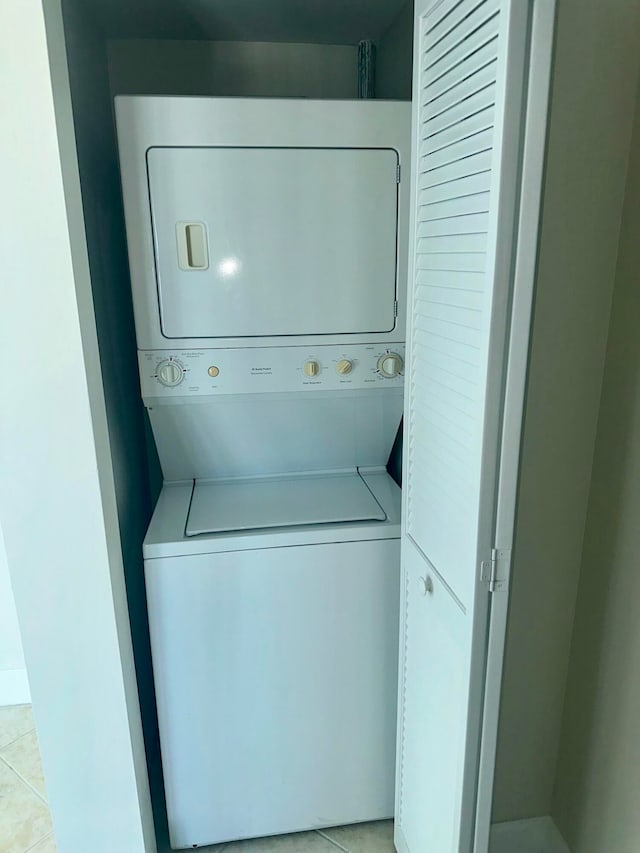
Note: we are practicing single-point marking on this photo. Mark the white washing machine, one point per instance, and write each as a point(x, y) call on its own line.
point(275, 656)
point(265, 242)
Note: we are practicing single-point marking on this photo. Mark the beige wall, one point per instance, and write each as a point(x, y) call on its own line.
point(243, 69)
point(593, 95)
point(597, 795)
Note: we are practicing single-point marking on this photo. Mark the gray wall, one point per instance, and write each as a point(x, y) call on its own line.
point(395, 57)
point(243, 69)
point(593, 98)
point(111, 293)
point(597, 795)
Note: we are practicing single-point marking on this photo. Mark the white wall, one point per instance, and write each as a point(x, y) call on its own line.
point(592, 107)
point(596, 800)
point(253, 69)
point(57, 496)
point(14, 687)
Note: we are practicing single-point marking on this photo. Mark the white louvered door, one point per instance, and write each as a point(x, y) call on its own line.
point(468, 112)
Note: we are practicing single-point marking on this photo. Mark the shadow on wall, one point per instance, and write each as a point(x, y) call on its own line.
point(596, 794)
point(394, 465)
point(111, 292)
point(394, 60)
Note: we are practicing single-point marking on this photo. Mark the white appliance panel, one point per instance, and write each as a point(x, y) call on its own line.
point(270, 502)
point(285, 241)
point(245, 420)
point(251, 370)
point(251, 434)
point(275, 676)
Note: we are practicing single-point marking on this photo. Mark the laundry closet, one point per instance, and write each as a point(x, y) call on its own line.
point(282, 270)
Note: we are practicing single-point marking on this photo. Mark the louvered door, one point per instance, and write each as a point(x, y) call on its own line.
point(469, 60)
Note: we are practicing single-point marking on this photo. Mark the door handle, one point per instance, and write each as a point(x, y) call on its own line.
point(426, 585)
point(191, 239)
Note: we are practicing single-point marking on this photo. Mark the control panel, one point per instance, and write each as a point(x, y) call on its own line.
point(168, 374)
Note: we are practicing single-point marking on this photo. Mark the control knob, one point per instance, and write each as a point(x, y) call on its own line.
point(344, 367)
point(390, 365)
point(311, 368)
point(169, 373)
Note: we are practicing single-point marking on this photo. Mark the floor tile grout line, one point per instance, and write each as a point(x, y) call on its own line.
point(11, 742)
point(40, 840)
point(31, 787)
point(332, 841)
point(26, 781)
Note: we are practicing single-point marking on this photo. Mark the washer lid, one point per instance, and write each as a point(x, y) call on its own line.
point(285, 501)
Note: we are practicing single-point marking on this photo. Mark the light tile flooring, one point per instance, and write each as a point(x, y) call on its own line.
point(25, 824)
point(24, 814)
point(359, 838)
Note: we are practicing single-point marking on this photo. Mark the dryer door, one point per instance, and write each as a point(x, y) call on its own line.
point(274, 241)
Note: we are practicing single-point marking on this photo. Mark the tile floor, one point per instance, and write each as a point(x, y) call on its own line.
point(359, 838)
point(25, 824)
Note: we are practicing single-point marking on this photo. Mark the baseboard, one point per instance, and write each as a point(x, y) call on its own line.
point(537, 835)
point(14, 687)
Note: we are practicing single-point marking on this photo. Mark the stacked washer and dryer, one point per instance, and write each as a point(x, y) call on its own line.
point(267, 247)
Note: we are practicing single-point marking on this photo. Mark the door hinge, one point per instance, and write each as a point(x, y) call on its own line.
point(495, 572)
point(395, 307)
point(398, 173)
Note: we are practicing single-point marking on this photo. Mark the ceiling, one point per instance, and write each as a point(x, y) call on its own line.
point(308, 21)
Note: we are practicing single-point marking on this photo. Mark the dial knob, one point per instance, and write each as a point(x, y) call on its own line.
point(312, 368)
point(390, 365)
point(344, 367)
point(170, 373)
